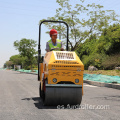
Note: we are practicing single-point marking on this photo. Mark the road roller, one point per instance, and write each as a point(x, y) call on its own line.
point(60, 74)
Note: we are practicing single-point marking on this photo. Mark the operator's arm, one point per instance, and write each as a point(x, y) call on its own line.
point(47, 47)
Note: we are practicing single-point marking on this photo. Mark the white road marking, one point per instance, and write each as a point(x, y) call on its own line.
point(90, 86)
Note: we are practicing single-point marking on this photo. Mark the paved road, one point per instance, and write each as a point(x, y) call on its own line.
point(19, 100)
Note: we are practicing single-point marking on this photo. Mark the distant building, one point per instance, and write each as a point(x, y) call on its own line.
point(17, 67)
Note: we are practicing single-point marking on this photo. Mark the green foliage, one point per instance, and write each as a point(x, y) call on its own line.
point(112, 61)
point(26, 48)
point(27, 67)
point(81, 29)
point(4, 66)
point(16, 68)
point(117, 71)
point(16, 59)
point(93, 60)
point(111, 38)
point(9, 64)
point(102, 52)
point(23, 61)
point(35, 68)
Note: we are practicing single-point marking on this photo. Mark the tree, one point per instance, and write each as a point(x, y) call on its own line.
point(4, 66)
point(94, 19)
point(16, 59)
point(9, 64)
point(102, 52)
point(26, 48)
point(110, 39)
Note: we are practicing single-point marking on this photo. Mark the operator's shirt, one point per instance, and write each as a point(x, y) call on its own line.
point(48, 48)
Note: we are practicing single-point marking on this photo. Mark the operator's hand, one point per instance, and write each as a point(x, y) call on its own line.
point(62, 49)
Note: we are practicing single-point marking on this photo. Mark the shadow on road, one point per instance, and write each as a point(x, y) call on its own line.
point(24, 73)
point(39, 103)
point(17, 73)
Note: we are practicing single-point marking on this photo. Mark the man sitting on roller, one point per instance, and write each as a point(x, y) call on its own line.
point(54, 43)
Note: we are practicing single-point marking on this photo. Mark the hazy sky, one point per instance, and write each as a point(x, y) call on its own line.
point(19, 19)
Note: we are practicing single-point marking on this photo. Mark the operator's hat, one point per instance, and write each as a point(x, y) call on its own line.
point(53, 32)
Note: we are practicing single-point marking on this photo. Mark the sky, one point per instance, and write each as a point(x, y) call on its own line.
point(20, 19)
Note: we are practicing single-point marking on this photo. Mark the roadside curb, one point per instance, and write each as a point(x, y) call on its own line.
point(101, 84)
point(28, 72)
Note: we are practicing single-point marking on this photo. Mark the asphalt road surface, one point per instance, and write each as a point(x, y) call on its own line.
point(19, 100)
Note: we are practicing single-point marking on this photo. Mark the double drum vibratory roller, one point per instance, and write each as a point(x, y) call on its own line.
point(60, 75)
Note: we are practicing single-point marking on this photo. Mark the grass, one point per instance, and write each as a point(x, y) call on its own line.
point(104, 72)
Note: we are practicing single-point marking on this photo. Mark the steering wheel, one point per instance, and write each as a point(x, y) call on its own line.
point(55, 49)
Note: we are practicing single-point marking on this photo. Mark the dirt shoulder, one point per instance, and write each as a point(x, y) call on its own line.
point(104, 72)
